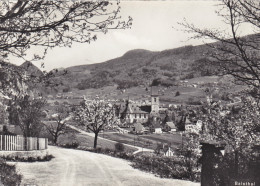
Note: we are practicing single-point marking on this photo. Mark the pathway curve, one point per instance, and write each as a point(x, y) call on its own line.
point(79, 168)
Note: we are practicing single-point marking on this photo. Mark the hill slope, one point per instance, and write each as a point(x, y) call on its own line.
point(141, 67)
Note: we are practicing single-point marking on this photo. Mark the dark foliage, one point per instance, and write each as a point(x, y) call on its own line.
point(165, 167)
point(72, 145)
point(27, 113)
point(124, 84)
point(119, 147)
point(29, 159)
point(8, 174)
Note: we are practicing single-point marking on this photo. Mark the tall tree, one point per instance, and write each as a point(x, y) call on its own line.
point(27, 113)
point(95, 116)
point(234, 53)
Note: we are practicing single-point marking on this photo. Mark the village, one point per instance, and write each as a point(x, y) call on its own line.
point(129, 93)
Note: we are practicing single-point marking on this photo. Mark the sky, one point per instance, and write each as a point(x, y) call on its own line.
point(155, 27)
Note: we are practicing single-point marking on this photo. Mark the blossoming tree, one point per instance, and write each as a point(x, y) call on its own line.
point(95, 116)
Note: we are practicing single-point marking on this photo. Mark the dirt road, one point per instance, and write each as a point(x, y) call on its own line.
point(75, 167)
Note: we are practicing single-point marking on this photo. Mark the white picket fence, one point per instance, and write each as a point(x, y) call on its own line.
point(20, 143)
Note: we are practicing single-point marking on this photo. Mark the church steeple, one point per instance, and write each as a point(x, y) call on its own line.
point(155, 100)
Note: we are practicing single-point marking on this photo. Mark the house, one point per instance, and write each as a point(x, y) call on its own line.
point(133, 112)
point(138, 112)
point(170, 127)
point(199, 124)
point(193, 127)
point(168, 152)
point(157, 128)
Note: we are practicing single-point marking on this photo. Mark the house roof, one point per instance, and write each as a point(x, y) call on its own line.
point(166, 149)
point(130, 108)
point(171, 125)
point(188, 121)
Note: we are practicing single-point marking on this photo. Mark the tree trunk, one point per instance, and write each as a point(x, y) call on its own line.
point(55, 139)
point(95, 140)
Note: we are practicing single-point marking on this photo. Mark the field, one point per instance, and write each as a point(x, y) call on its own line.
point(88, 141)
point(147, 141)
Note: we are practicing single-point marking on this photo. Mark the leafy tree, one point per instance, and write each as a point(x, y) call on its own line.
point(234, 53)
point(3, 113)
point(27, 113)
point(235, 125)
point(168, 117)
point(95, 116)
point(179, 116)
point(57, 126)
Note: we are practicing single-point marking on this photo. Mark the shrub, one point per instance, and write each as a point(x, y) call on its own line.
point(8, 174)
point(66, 89)
point(119, 147)
point(28, 159)
point(72, 145)
point(56, 103)
point(145, 70)
point(98, 150)
point(177, 94)
point(165, 167)
point(124, 84)
point(168, 74)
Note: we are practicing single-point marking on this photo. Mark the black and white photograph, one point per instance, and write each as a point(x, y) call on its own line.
point(129, 92)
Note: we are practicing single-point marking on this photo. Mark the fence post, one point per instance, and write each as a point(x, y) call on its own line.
point(5, 143)
point(46, 143)
point(38, 144)
point(210, 157)
point(11, 142)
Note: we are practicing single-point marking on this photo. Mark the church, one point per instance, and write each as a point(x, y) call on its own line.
point(132, 112)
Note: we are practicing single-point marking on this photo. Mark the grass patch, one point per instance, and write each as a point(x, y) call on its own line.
point(87, 141)
point(145, 141)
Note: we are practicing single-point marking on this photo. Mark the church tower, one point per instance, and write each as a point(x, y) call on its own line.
point(155, 100)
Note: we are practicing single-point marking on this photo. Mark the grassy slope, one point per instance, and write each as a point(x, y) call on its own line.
point(146, 141)
point(142, 67)
point(88, 141)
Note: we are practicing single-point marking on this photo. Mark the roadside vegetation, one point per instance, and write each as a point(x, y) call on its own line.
point(28, 159)
point(8, 174)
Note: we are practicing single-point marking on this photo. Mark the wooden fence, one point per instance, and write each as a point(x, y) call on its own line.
point(20, 143)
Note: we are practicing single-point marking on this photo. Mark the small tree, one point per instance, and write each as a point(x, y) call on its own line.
point(95, 116)
point(57, 126)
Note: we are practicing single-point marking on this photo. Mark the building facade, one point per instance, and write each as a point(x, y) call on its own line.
point(134, 112)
